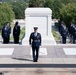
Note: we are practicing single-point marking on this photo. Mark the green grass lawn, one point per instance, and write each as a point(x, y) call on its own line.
point(56, 35)
point(22, 33)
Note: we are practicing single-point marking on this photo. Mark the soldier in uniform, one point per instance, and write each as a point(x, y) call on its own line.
point(61, 31)
point(5, 33)
point(35, 42)
point(74, 35)
point(16, 33)
point(60, 27)
point(71, 30)
point(64, 33)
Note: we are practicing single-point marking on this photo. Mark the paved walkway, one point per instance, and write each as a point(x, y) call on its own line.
point(55, 56)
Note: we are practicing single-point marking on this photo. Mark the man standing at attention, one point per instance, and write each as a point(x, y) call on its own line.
point(35, 42)
point(16, 33)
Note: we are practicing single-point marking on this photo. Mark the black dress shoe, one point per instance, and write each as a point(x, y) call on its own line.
point(35, 61)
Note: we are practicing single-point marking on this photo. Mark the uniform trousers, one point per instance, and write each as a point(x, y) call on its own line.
point(35, 51)
point(63, 40)
point(74, 39)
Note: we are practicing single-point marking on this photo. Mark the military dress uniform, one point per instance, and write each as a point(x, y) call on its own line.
point(74, 35)
point(64, 33)
point(35, 42)
point(60, 31)
point(71, 31)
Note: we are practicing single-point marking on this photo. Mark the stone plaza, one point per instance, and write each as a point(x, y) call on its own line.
point(56, 55)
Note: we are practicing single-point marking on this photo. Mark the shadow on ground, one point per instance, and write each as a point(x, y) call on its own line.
point(22, 59)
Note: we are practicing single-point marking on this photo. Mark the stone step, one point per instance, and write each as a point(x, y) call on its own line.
point(43, 71)
point(38, 66)
point(40, 61)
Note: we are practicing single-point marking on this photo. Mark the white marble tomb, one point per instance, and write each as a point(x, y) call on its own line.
point(41, 18)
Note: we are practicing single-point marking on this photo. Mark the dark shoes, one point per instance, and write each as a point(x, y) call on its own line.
point(35, 61)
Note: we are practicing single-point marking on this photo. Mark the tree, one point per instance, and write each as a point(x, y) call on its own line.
point(65, 2)
point(55, 6)
point(36, 3)
point(19, 9)
point(68, 13)
point(6, 14)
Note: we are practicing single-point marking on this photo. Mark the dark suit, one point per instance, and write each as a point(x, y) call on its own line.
point(16, 34)
point(9, 32)
point(70, 29)
point(64, 33)
point(35, 42)
point(5, 34)
point(60, 29)
point(74, 35)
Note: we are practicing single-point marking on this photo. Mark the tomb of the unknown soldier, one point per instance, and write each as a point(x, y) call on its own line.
point(41, 18)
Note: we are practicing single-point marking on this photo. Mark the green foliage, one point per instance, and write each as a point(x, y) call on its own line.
point(22, 33)
point(19, 6)
point(55, 5)
point(68, 1)
point(56, 35)
point(36, 3)
point(19, 9)
point(15, 0)
point(6, 14)
point(68, 13)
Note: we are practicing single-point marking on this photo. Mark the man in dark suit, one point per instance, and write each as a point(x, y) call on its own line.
point(9, 31)
point(16, 33)
point(5, 33)
point(35, 42)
